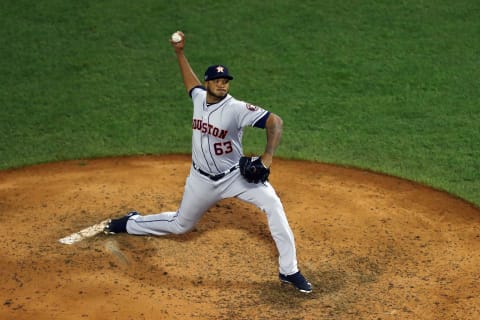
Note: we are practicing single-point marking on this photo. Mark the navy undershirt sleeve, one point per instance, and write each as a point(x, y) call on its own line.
point(261, 123)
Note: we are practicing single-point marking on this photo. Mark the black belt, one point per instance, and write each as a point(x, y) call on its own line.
point(214, 177)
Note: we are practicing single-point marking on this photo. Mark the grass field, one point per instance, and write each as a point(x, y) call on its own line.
point(392, 86)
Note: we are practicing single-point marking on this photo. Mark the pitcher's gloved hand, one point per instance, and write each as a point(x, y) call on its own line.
point(253, 170)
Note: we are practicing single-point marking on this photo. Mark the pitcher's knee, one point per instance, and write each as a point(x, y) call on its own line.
point(182, 228)
point(275, 205)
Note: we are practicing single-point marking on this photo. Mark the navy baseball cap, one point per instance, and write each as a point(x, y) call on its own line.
point(217, 71)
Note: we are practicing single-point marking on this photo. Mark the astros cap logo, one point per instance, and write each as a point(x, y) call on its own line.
point(217, 71)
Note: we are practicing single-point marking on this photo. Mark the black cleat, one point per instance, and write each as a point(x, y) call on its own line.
point(119, 225)
point(298, 281)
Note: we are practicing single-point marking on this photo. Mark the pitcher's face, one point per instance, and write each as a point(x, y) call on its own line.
point(217, 89)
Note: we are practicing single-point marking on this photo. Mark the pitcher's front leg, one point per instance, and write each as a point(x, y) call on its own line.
point(265, 198)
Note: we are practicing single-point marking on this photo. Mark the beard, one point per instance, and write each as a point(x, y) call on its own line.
point(218, 96)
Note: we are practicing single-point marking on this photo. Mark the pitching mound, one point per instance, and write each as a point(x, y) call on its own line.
point(373, 246)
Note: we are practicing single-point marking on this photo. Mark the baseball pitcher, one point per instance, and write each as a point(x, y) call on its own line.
point(219, 170)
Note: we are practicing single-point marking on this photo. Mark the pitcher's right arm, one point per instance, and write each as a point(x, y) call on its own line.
point(190, 79)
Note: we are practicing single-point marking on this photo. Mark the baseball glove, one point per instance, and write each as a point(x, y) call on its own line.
point(253, 170)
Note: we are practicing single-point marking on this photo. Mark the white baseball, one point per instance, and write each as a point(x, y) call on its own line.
point(176, 37)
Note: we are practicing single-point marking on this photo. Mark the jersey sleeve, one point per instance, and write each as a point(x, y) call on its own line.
point(193, 92)
point(251, 115)
point(262, 121)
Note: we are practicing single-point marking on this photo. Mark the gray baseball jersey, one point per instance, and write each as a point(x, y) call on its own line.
point(218, 130)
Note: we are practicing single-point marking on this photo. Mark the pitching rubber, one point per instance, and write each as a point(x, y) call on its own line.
point(84, 233)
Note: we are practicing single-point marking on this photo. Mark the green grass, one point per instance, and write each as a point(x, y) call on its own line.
point(391, 86)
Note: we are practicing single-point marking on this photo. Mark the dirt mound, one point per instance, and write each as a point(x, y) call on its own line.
point(373, 246)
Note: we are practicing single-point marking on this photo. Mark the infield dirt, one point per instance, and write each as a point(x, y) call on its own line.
point(373, 246)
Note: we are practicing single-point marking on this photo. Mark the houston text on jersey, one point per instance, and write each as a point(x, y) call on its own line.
point(207, 128)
